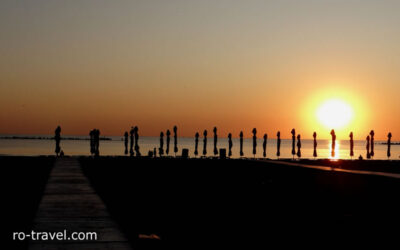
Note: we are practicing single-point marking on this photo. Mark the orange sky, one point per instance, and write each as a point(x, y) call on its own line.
point(198, 64)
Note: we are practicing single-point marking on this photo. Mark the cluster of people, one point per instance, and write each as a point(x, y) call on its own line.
point(94, 142)
point(133, 136)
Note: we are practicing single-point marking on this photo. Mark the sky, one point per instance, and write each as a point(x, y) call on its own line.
point(198, 64)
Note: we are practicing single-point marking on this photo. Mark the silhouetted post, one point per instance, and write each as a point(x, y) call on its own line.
point(196, 144)
point(126, 138)
point(168, 140)
point(389, 143)
point(254, 131)
point(351, 145)
point(205, 143)
point(132, 137)
point(97, 142)
point(136, 131)
point(368, 154)
point(91, 134)
point(315, 145)
point(333, 143)
point(161, 149)
point(175, 140)
point(230, 144)
point(278, 144)
point(293, 132)
point(57, 137)
point(298, 146)
point(372, 133)
point(241, 143)
point(265, 145)
point(215, 141)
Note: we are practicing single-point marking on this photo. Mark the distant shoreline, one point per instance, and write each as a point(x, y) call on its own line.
point(49, 138)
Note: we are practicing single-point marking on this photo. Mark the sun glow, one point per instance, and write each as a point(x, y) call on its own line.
point(335, 114)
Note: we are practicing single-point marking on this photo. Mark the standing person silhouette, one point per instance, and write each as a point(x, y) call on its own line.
point(351, 145)
point(315, 144)
point(278, 144)
point(205, 143)
point(136, 131)
point(132, 139)
point(97, 142)
point(372, 134)
point(241, 144)
point(298, 146)
point(161, 148)
point(168, 140)
point(57, 137)
point(265, 145)
point(388, 144)
point(126, 138)
point(91, 134)
point(230, 144)
point(196, 144)
point(333, 154)
point(254, 131)
point(215, 141)
point(293, 132)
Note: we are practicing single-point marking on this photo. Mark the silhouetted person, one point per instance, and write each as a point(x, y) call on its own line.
point(132, 137)
point(351, 145)
point(388, 144)
point(254, 131)
point(168, 140)
point(92, 143)
point(161, 149)
point(293, 132)
point(315, 144)
point(372, 133)
point(175, 140)
point(205, 143)
point(265, 145)
point(136, 132)
point(298, 146)
point(57, 137)
point(278, 144)
point(126, 138)
point(241, 143)
point(368, 154)
point(96, 142)
point(196, 144)
point(215, 141)
point(333, 143)
point(230, 144)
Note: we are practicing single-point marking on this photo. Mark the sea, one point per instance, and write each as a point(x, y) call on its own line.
point(115, 147)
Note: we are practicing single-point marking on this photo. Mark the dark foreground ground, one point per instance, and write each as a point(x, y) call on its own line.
point(23, 180)
point(230, 203)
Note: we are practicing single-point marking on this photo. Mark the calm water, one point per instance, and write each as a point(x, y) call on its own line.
point(116, 147)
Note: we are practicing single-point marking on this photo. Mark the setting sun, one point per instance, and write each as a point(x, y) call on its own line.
point(334, 113)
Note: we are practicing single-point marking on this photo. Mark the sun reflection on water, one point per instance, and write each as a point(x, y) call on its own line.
point(337, 152)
